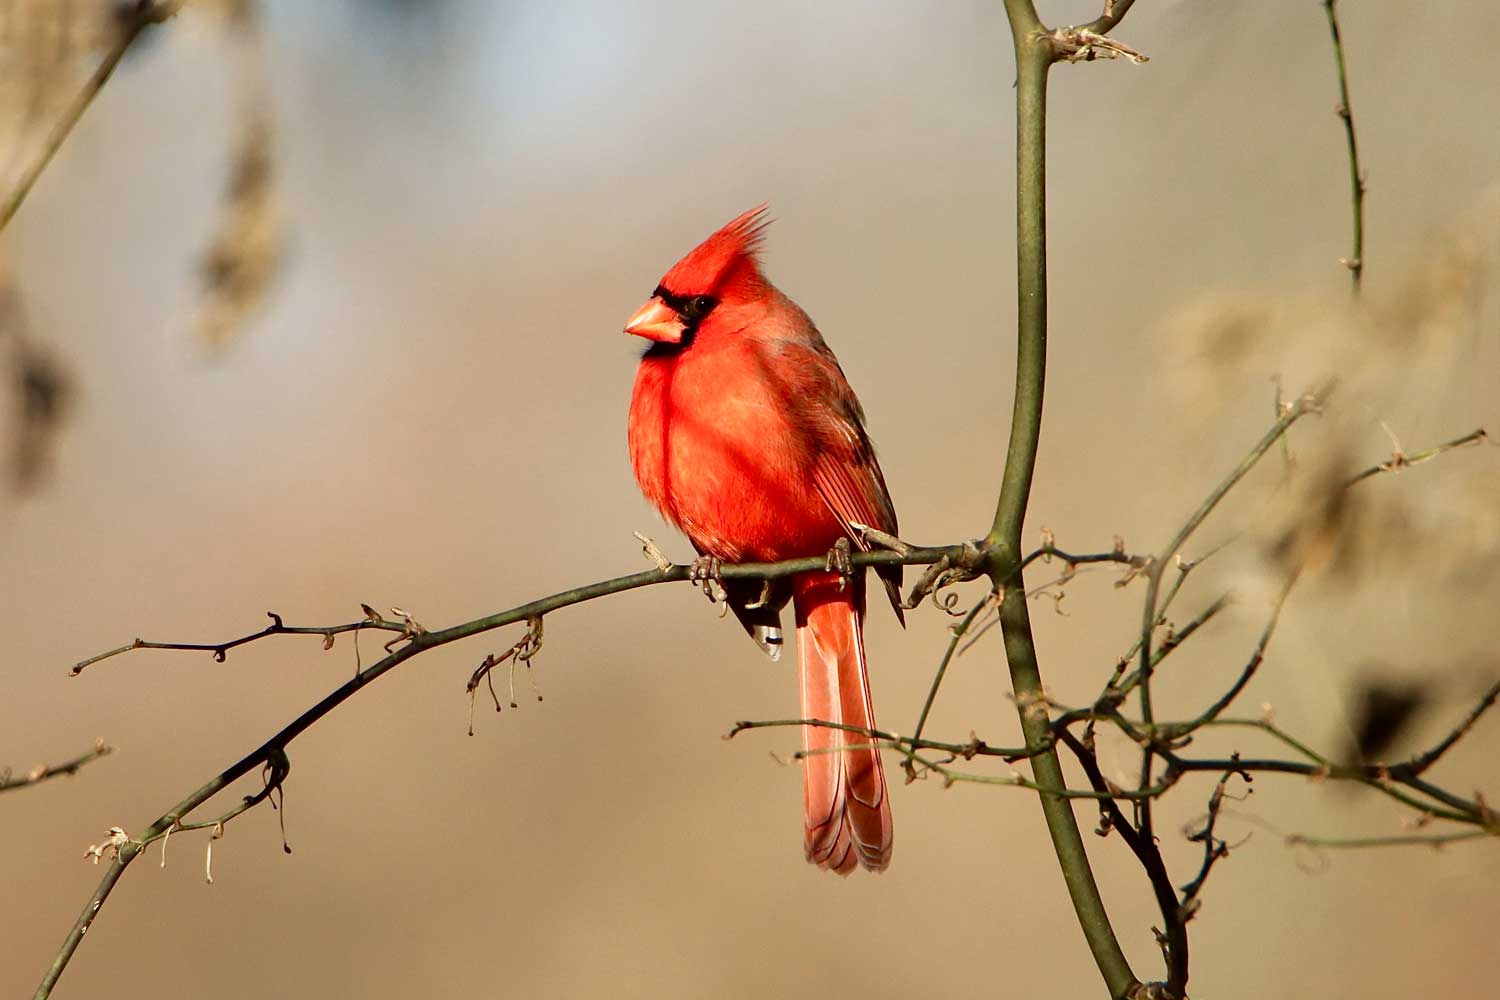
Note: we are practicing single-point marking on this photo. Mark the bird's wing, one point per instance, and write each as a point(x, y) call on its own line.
point(845, 472)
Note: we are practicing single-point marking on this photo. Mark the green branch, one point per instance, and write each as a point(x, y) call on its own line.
point(1356, 261)
point(1034, 57)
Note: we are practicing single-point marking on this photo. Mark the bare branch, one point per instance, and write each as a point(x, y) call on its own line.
point(1146, 851)
point(1400, 460)
point(1423, 761)
point(221, 649)
point(1214, 848)
point(1433, 840)
point(1257, 655)
point(1355, 262)
point(43, 772)
point(974, 747)
point(417, 642)
point(1114, 13)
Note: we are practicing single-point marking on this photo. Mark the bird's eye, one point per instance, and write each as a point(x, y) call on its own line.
point(698, 307)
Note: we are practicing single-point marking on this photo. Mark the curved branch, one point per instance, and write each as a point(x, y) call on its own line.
point(1034, 55)
point(1114, 13)
point(274, 749)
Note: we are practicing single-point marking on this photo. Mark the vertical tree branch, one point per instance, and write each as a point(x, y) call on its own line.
point(1034, 57)
point(1033, 60)
point(1356, 262)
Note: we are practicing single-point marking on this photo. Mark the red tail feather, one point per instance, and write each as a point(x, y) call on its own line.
point(847, 818)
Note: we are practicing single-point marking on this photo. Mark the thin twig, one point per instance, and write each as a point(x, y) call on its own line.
point(1356, 261)
point(1146, 851)
point(973, 747)
point(1433, 840)
point(1305, 404)
point(1257, 655)
point(43, 772)
point(1320, 767)
point(1214, 848)
point(958, 630)
point(1400, 460)
point(1423, 761)
point(1122, 684)
point(221, 649)
point(419, 642)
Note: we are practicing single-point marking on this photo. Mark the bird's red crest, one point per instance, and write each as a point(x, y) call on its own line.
point(729, 256)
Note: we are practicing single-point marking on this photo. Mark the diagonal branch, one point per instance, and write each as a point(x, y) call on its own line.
point(1175, 941)
point(1114, 13)
point(133, 23)
point(1400, 460)
point(1423, 761)
point(273, 750)
point(43, 772)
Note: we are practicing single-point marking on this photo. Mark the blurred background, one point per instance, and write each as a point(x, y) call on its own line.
point(332, 300)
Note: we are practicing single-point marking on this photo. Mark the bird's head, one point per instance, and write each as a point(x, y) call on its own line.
point(716, 279)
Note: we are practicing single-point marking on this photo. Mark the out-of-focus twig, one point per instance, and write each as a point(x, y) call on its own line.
point(239, 265)
point(42, 772)
point(1433, 840)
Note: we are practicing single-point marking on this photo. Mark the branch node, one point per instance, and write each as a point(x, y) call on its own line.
point(1075, 44)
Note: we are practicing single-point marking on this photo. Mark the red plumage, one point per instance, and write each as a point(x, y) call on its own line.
point(745, 434)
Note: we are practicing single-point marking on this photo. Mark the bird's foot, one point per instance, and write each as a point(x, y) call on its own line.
point(839, 562)
point(706, 573)
point(763, 599)
point(884, 539)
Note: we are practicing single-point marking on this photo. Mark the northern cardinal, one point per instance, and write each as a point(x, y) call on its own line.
point(745, 434)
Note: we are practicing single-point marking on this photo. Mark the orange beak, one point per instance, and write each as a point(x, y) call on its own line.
point(656, 321)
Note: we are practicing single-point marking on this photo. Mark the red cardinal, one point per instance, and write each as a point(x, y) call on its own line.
point(745, 434)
